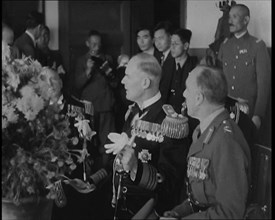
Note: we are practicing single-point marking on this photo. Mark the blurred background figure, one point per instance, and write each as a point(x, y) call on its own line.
point(8, 38)
point(26, 43)
point(162, 34)
point(121, 105)
point(50, 58)
point(93, 81)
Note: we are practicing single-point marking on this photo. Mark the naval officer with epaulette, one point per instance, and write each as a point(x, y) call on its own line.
point(246, 64)
point(151, 153)
point(218, 169)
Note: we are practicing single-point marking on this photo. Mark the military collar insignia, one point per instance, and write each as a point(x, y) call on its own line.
point(144, 156)
point(209, 134)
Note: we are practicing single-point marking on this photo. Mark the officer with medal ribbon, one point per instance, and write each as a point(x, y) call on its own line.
point(151, 152)
point(246, 64)
point(218, 170)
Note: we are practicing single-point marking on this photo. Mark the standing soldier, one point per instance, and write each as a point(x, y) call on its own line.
point(219, 160)
point(246, 64)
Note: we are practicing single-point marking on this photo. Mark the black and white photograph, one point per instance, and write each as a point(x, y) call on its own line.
point(136, 109)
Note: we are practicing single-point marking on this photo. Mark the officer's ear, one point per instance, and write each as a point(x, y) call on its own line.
point(199, 98)
point(186, 46)
point(246, 20)
point(146, 83)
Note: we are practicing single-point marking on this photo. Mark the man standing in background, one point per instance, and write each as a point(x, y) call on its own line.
point(162, 33)
point(26, 43)
point(246, 64)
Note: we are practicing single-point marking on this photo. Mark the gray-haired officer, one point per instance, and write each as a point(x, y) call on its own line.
point(218, 159)
point(246, 64)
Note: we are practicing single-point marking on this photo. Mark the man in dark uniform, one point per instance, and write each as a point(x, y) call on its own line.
point(162, 34)
point(246, 64)
point(151, 155)
point(219, 158)
point(26, 43)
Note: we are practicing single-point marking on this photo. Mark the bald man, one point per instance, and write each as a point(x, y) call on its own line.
point(8, 38)
point(153, 162)
point(246, 64)
point(218, 169)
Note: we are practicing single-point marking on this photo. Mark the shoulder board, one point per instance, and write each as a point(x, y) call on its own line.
point(174, 125)
point(225, 40)
point(258, 40)
point(226, 127)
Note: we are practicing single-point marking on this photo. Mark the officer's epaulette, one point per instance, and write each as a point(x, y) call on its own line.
point(258, 40)
point(226, 127)
point(225, 40)
point(235, 112)
point(174, 125)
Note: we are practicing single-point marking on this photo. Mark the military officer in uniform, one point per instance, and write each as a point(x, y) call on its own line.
point(151, 152)
point(246, 64)
point(218, 167)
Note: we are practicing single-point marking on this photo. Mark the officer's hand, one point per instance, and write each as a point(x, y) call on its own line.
point(257, 121)
point(89, 66)
point(128, 159)
point(119, 141)
point(171, 213)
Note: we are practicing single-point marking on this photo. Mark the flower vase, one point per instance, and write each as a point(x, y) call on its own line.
point(29, 209)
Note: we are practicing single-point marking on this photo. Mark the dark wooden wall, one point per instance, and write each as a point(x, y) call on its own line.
point(15, 13)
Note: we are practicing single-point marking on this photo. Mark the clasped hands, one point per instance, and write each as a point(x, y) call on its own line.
point(121, 145)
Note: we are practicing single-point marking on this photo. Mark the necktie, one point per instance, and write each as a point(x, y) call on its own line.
point(162, 59)
point(136, 110)
point(196, 133)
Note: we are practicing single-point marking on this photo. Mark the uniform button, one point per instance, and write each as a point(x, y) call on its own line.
point(225, 63)
point(237, 56)
point(232, 87)
point(234, 77)
point(235, 67)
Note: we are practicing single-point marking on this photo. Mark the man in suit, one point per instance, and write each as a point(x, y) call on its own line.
point(149, 162)
point(184, 63)
point(162, 34)
point(145, 41)
point(246, 64)
point(26, 43)
point(92, 82)
point(219, 158)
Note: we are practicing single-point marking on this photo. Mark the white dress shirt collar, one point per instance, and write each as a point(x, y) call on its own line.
point(31, 36)
point(150, 101)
